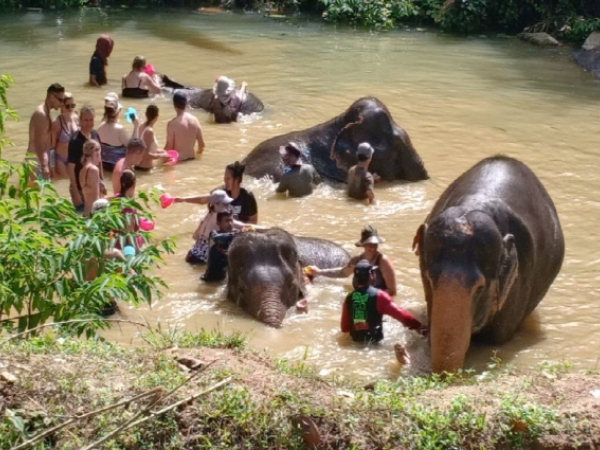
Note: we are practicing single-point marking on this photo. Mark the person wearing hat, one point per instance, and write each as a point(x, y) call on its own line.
point(299, 178)
point(184, 130)
point(113, 136)
point(360, 181)
point(227, 101)
point(365, 307)
point(385, 278)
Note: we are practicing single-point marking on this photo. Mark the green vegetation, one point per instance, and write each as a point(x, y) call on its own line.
point(49, 253)
point(240, 399)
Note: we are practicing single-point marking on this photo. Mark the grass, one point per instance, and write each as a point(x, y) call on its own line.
point(61, 378)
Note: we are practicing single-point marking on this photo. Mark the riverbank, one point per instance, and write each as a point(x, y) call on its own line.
point(207, 390)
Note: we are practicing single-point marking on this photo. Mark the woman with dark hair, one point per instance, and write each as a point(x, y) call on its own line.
point(99, 61)
point(137, 83)
point(149, 138)
point(243, 206)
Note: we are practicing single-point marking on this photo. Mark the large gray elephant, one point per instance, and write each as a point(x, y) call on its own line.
point(488, 252)
point(265, 270)
point(331, 146)
point(204, 98)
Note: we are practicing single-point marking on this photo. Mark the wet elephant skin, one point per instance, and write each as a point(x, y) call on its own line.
point(265, 270)
point(331, 146)
point(488, 253)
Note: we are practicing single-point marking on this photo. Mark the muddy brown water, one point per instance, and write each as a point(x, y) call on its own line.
point(460, 99)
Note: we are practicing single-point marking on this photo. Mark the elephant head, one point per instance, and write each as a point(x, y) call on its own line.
point(468, 268)
point(368, 120)
point(265, 277)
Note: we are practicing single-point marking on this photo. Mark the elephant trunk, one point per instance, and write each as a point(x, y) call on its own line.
point(267, 305)
point(450, 324)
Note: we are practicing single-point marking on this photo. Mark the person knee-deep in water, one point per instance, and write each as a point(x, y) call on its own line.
point(364, 308)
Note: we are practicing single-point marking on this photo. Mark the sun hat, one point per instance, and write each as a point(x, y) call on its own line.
point(369, 235)
point(112, 101)
point(99, 205)
point(219, 196)
point(364, 267)
point(224, 88)
point(365, 149)
point(291, 147)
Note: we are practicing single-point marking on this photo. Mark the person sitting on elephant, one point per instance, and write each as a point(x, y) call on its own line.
point(216, 266)
point(301, 178)
point(137, 83)
point(365, 307)
point(227, 101)
point(360, 180)
point(385, 278)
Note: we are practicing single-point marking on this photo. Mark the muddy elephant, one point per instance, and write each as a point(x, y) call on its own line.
point(265, 270)
point(488, 252)
point(331, 146)
point(205, 99)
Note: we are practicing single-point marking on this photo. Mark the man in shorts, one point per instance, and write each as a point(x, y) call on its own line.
point(184, 130)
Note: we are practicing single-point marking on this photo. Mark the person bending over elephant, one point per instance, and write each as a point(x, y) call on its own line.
point(220, 239)
point(364, 308)
point(299, 179)
point(385, 278)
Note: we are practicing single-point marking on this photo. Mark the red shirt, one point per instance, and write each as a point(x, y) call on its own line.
point(385, 306)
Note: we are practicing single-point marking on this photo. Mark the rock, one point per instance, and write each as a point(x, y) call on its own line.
point(308, 429)
point(191, 363)
point(592, 42)
point(8, 377)
point(589, 60)
point(541, 39)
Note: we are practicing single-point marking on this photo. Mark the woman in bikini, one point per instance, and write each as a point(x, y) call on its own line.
point(113, 137)
point(89, 177)
point(64, 127)
point(149, 138)
point(137, 83)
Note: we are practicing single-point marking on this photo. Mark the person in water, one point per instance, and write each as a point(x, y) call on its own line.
point(184, 130)
point(148, 137)
point(360, 180)
point(40, 129)
point(220, 239)
point(64, 127)
point(137, 83)
point(227, 100)
point(113, 136)
point(89, 177)
point(243, 206)
point(299, 179)
point(86, 132)
point(365, 307)
point(99, 61)
point(385, 278)
point(133, 156)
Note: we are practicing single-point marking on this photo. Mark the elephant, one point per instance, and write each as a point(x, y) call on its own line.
point(204, 98)
point(488, 252)
point(331, 146)
point(265, 270)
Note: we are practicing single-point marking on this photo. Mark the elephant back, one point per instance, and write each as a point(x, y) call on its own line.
point(321, 253)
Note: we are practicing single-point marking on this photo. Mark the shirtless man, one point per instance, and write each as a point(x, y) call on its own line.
point(40, 128)
point(184, 130)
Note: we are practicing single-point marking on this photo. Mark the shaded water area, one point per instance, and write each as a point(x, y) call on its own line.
point(460, 100)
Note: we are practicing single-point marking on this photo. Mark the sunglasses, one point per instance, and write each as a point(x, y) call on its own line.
point(60, 99)
point(70, 106)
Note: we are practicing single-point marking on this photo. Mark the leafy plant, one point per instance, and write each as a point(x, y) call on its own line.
point(369, 13)
point(6, 112)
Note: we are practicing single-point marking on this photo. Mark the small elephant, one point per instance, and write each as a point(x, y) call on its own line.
point(265, 270)
point(205, 99)
point(488, 252)
point(331, 146)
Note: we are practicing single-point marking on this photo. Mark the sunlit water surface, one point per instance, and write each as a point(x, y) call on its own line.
point(460, 100)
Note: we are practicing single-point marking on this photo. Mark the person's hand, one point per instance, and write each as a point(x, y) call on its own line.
point(134, 119)
point(46, 171)
point(248, 228)
point(376, 178)
point(312, 270)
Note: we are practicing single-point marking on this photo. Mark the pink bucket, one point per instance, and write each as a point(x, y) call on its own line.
point(149, 69)
point(173, 157)
point(166, 200)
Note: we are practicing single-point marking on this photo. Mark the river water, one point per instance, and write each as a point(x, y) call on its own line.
point(460, 100)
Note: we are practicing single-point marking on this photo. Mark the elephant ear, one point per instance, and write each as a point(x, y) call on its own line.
point(418, 240)
point(373, 126)
point(509, 270)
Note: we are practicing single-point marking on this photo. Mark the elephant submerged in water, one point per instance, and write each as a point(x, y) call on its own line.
point(207, 100)
point(488, 253)
point(265, 270)
point(331, 146)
